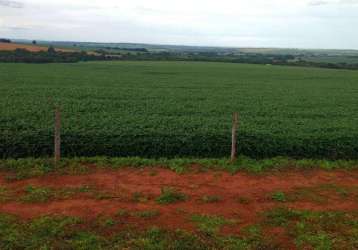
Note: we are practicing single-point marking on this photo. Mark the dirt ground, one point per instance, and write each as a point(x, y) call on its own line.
point(241, 195)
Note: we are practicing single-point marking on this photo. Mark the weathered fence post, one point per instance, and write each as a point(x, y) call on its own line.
point(57, 148)
point(235, 119)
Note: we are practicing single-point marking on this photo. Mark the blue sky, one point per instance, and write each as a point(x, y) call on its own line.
point(234, 23)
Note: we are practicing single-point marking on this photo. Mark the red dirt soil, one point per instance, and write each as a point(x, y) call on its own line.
point(121, 184)
point(32, 48)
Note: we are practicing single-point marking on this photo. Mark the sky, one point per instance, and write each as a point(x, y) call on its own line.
point(327, 24)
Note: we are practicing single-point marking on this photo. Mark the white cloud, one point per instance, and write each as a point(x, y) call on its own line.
point(332, 2)
point(11, 4)
point(278, 23)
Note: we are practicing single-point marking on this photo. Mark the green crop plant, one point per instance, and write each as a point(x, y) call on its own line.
point(178, 109)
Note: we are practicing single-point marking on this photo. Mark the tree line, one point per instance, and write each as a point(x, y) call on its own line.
point(4, 40)
point(53, 56)
point(250, 58)
point(49, 56)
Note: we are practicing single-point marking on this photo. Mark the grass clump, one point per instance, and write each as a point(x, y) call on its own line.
point(307, 194)
point(279, 196)
point(105, 222)
point(317, 230)
point(37, 194)
point(5, 194)
point(253, 238)
point(210, 224)
point(317, 241)
point(170, 195)
point(243, 200)
point(321, 193)
point(30, 167)
point(146, 214)
point(45, 194)
point(210, 198)
point(139, 197)
point(87, 240)
point(68, 192)
point(41, 233)
point(159, 239)
point(281, 216)
point(26, 168)
point(307, 229)
point(122, 213)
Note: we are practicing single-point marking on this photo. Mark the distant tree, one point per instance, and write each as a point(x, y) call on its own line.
point(51, 50)
point(34, 42)
point(3, 40)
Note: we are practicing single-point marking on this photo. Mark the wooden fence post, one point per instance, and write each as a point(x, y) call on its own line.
point(57, 148)
point(235, 119)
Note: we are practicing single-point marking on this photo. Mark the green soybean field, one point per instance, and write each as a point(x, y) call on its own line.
point(177, 109)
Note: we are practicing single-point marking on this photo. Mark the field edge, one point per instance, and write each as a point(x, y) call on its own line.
point(32, 167)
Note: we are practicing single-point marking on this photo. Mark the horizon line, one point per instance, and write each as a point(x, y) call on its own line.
point(185, 45)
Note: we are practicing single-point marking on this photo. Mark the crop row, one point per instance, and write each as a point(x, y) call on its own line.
point(168, 109)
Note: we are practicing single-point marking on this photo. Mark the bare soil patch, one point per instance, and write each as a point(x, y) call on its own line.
point(130, 197)
point(32, 48)
point(242, 196)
